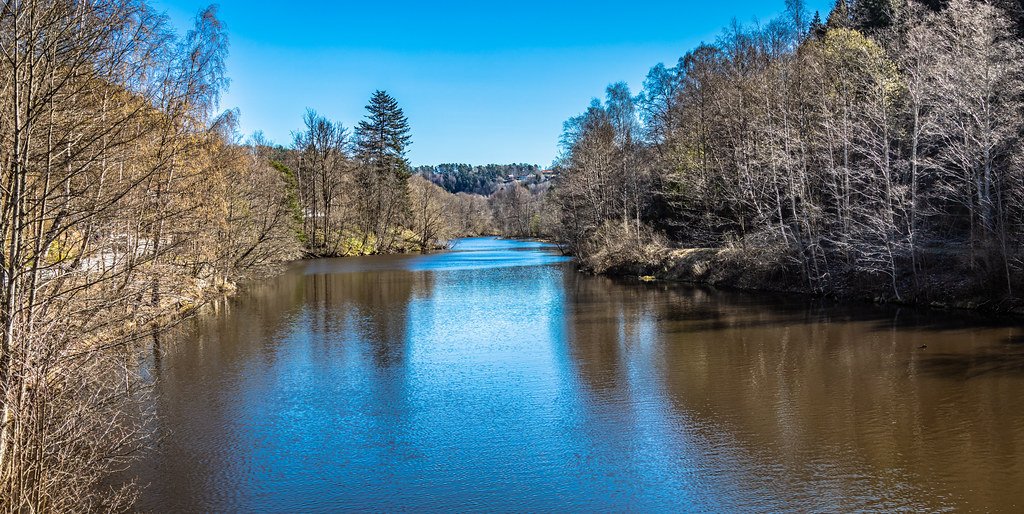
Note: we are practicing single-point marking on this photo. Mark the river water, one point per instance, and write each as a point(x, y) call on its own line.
point(495, 377)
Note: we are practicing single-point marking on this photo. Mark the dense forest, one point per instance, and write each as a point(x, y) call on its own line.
point(874, 151)
point(354, 192)
point(481, 180)
point(516, 202)
point(126, 201)
point(129, 200)
point(345, 207)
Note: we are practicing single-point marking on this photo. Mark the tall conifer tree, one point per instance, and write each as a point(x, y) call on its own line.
point(381, 142)
point(817, 28)
point(839, 18)
point(871, 15)
point(382, 138)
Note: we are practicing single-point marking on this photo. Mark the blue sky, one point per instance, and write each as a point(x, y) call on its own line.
point(481, 82)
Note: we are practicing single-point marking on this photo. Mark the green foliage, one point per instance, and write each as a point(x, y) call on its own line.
point(481, 180)
point(383, 173)
point(383, 137)
point(855, 60)
point(839, 17)
point(535, 225)
point(817, 28)
point(873, 15)
point(292, 199)
point(64, 248)
point(355, 243)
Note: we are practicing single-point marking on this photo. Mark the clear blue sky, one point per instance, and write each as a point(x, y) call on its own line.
point(481, 82)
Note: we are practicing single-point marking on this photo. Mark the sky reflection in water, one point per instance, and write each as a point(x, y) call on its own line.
point(495, 377)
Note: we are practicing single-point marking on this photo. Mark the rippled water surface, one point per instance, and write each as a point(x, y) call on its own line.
point(495, 377)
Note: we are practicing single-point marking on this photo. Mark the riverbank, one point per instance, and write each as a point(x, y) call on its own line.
point(941, 284)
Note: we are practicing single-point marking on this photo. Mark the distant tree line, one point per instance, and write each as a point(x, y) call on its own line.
point(878, 147)
point(515, 196)
point(481, 180)
point(523, 209)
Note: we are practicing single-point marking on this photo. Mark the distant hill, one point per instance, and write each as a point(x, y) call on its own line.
point(481, 180)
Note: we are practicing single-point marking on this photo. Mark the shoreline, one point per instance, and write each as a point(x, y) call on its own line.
point(725, 269)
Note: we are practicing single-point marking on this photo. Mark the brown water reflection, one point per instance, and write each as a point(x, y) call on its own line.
point(499, 378)
point(834, 407)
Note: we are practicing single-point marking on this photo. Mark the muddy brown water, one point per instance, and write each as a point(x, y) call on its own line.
point(496, 378)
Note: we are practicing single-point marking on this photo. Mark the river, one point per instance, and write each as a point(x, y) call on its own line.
point(496, 377)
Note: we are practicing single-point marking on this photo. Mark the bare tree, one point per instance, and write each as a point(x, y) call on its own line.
point(431, 213)
point(324, 172)
point(974, 86)
point(115, 197)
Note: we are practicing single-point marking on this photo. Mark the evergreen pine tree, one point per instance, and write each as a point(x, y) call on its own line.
point(381, 142)
point(869, 15)
point(817, 28)
point(381, 138)
point(839, 18)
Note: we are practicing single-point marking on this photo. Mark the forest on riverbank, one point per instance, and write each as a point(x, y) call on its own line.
point(126, 201)
point(872, 152)
point(353, 192)
point(129, 199)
